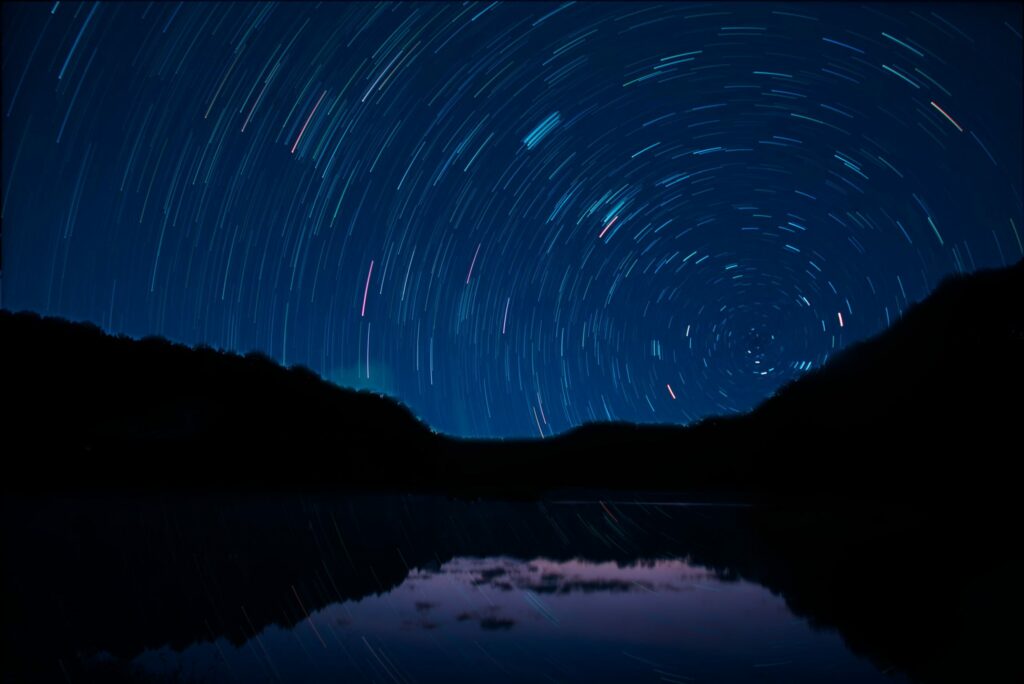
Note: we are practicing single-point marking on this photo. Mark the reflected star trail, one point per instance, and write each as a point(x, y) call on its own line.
point(514, 218)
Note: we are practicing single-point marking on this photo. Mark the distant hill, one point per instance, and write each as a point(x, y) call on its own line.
point(95, 406)
point(929, 407)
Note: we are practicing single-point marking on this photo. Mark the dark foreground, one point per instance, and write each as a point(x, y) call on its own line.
point(287, 588)
point(883, 540)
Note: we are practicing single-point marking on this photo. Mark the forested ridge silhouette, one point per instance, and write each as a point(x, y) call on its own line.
point(931, 403)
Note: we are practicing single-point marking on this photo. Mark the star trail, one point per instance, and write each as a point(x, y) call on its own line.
point(515, 218)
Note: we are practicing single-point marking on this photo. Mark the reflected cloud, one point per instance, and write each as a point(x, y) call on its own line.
point(494, 624)
point(511, 619)
point(358, 590)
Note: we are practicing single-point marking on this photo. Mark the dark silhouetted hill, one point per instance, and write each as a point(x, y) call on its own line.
point(110, 408)
point(931, 407)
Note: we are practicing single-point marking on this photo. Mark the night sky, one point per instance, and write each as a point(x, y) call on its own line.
point(514, 218)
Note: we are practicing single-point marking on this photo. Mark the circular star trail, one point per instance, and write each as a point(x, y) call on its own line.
point(514, 218)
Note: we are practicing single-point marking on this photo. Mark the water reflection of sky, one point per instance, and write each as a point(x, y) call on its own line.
point(500, 619)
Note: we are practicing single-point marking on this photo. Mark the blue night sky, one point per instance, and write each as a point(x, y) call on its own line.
point(514, 218)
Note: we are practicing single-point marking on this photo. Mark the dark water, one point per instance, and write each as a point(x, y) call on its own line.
point(500, 619)
point(422, 589)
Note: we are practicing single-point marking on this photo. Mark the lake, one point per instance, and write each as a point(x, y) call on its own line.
point(501, 619)
point(356, 588)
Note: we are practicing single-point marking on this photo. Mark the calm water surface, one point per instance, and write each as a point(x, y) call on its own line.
point(505, 619)
point(402, 590)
